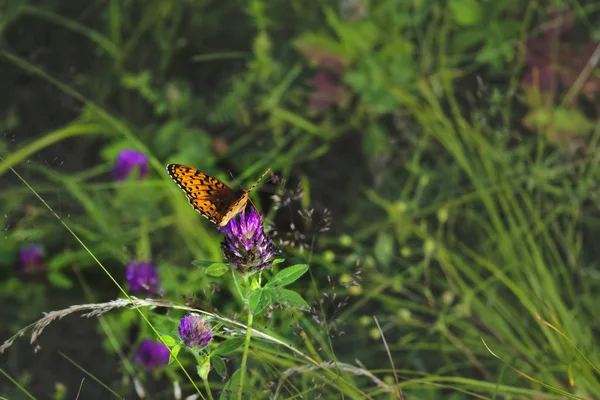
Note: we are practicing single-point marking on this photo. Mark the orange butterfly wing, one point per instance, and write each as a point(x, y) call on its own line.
point(209, 196)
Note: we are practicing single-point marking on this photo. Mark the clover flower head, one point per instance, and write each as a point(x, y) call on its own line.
point(327, 92)
point(152, 354)
point(245, 244)
point(142, 278)
point(126, 161)
point(31, 258)
point(194, 331)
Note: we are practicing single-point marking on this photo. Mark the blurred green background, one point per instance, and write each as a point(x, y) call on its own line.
point(435, 163)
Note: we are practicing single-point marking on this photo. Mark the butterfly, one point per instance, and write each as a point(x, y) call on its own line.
point(209, 196)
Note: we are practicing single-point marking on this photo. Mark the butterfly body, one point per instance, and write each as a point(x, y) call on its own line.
point(209, 196)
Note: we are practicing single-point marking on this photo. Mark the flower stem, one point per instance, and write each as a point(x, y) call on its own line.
point(207, 388)
point(245, 356)
point(237, 286)
point(199, 361)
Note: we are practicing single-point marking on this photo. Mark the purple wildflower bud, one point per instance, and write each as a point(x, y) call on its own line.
point(194, 331)
point(127, 160)
point(245, 245)
point(30, 258)
point(327, 92)
point(143, 278)
point(152, 354)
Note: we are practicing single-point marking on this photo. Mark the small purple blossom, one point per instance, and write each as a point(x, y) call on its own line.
point(143, 278)
point(31, 258)
point(245, 245)
point(194, 331)
point(327, 92)
point(542, 70)
point(127, 160)
point(152, 354)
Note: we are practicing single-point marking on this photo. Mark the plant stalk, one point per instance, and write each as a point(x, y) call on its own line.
point(245, 356)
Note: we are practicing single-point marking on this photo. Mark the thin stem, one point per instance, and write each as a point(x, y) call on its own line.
point(237, 286)
point(245, 356)
point(207, 388)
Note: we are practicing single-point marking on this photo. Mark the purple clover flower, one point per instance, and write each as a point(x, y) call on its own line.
point(541, 71)
point(127, 160)
point(245, 245)
point(31, 258)
point(327, 92)
point(194, 331)
point(152, 354)
point(143, 278)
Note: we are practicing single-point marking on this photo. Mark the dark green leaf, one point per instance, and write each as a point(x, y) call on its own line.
point(254, 299)
point(266, 299)
point(289, 298)
point(219, 365)
point(229, 346)
point(260, 299)
point(59, 280)
point(288, 275)
point(231, 388)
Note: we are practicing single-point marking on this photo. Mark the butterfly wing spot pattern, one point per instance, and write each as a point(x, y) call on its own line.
point(209, 196)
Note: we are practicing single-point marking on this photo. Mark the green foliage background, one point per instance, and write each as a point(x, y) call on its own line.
point(464, 202)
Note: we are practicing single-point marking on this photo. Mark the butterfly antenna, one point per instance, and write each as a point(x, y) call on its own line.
point(256, 183)
point(233, 178)
point(259, 179)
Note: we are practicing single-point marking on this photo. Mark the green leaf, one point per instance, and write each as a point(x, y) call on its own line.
point(59, 280)
point(60, 260)
point(560, 125)
point(289, 298)
point(255, 283)
point(204, 368)
point(468, 38)
point(357, 80)
point(288, 275)
point(314, 45)
point(278, 261)
point(260, 299)
point(229, 346)
point(219, 365)
point(217, 269)
point(465, 12)
point(266, 300)
point(232, 387)
point(254, 300)
point(559, 119)
point(168, 340)
point(174, 352)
